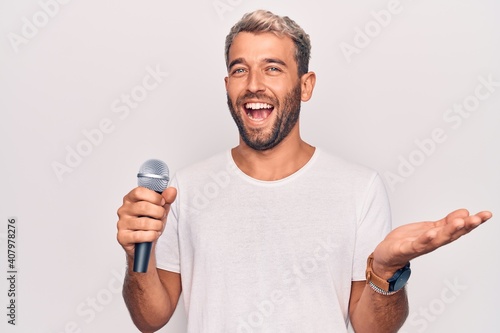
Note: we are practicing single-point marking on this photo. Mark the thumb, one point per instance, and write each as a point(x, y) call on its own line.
point(169, 195)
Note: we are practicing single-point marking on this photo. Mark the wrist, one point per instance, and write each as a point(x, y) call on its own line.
point(384, 271)
point(385, 280)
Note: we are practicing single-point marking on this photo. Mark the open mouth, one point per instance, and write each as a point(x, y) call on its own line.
point(258, 111)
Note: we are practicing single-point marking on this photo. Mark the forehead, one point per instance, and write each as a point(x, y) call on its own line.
point(264, 45)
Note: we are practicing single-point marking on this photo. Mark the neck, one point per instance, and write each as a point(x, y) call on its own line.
point(276, 163)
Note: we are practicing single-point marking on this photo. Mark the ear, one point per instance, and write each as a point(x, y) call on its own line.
point(307, 82)
point(225, 82)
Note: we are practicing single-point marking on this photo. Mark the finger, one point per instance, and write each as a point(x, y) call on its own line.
point(143, 224)
point(130, 238)
point(485, 215)
point(474, 221)
point(144, 194)
point(138, 230)
point(144, 208)
point(451, 231)
point(462, 222)
point(436, 237)
point(459, 213)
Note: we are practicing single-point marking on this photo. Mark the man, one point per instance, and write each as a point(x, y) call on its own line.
point(274, 235)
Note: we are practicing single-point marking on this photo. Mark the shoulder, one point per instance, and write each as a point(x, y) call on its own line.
point(341, 168)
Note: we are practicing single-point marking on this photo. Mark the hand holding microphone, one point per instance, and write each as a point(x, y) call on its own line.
point(143, 214)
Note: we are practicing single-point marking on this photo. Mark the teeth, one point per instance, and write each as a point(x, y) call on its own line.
point(258, 106)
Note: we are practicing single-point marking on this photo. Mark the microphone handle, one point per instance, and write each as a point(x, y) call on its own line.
point(142, 253)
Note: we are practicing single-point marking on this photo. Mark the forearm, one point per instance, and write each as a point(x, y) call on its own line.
point(146, 298)
point(376, 313)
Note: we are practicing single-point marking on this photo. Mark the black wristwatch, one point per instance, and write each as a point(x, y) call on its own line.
point(390, 286)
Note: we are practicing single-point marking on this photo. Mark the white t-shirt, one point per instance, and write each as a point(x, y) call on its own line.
point(272, 256)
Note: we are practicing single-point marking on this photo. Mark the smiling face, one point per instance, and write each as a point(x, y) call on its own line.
point(263, 88)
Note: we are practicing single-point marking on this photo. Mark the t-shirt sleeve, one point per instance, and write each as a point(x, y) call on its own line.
point(374, 223)
point(167, 247)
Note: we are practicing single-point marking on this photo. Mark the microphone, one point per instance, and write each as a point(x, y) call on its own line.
point(152, 175)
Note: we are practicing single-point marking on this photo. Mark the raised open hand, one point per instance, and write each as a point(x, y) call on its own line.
point(415, 239)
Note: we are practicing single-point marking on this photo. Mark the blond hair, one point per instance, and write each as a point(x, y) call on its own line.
point(265, 21)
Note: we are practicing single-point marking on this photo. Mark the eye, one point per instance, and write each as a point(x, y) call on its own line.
point(238, 71)
point(273, 70)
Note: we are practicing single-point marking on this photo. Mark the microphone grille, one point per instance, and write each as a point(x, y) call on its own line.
point(153, 175)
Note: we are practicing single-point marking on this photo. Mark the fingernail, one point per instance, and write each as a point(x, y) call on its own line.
point(163, 202)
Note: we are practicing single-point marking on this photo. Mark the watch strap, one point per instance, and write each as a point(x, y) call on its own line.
point(373, 279)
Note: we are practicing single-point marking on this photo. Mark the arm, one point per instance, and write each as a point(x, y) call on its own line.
point(151, 297)
point(373, 312)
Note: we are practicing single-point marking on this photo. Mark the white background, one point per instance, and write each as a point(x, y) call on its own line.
point(63, 78)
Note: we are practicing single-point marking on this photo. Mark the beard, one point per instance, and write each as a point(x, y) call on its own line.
point(287, 116)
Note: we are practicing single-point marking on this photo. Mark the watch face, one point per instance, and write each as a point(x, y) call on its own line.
point(401, 281)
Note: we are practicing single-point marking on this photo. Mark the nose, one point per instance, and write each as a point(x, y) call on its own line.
point(255, 82)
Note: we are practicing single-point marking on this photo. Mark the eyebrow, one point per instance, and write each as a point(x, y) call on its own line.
point(275, 61)
point(238, 61)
